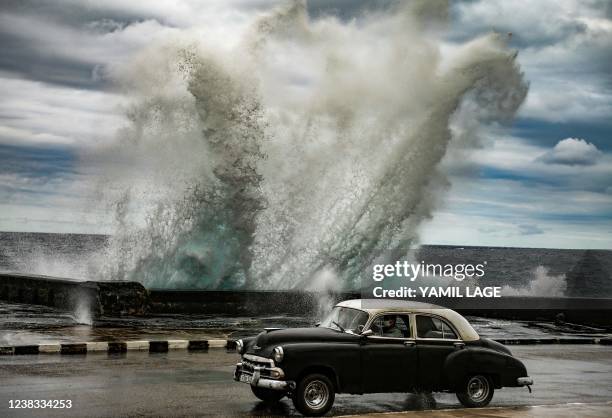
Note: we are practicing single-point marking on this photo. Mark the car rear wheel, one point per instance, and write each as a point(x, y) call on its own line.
point(314, 395)
point(476, 391)
point(268, 395)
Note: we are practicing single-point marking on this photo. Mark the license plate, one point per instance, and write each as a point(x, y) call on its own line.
point(246, 378)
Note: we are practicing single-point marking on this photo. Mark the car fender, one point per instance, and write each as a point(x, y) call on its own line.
point(468, 361)
point(342, 360)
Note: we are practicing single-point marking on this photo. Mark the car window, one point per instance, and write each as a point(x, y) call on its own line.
point(432, 327)
point(391, 326)
point(347, 318)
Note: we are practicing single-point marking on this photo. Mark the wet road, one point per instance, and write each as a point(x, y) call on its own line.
point(199, 384)
point(22, 324)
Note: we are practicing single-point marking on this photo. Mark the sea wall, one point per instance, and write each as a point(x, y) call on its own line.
point(579, 310)
point(131, 298)
point(100, 298)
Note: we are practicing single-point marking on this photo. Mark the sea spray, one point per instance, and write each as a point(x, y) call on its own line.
point(542, 284)
point(313, 145)
point(360, 171)
point(324, 286)
point(192, 149)
point(82, 312)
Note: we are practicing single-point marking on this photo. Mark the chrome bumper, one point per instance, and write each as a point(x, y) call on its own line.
point(265, 382)
point(524, 381)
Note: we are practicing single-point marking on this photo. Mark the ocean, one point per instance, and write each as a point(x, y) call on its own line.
point(522, 271)
point(528, 271)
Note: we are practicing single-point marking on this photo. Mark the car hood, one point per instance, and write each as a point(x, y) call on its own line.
point(263, 344)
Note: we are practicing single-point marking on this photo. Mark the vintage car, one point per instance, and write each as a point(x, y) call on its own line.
point(373, 346)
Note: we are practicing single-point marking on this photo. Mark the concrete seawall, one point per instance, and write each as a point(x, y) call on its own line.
point(101, 298)
point(579, 310)
point(131, 298)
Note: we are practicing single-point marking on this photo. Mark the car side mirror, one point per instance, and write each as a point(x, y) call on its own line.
point(367, 333)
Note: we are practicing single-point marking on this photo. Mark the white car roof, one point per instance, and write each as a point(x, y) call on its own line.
point(377, 306)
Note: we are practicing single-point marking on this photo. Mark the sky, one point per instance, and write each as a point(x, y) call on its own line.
point(544, 181)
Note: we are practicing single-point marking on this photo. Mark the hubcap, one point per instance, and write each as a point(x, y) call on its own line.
point(316, 394)
point(478, 388)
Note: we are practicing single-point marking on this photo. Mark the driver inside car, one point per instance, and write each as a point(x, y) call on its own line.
point(389, 328)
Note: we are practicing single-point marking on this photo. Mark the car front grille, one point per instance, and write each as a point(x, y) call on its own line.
point(251, 362)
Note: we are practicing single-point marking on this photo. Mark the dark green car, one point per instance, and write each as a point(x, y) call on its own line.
point(396, 347)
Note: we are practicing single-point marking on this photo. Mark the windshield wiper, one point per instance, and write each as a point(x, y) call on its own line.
point(338, 325)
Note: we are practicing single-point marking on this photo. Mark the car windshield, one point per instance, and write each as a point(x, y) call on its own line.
point(345, 319)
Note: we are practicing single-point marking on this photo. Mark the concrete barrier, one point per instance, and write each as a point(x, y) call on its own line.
point(113, 347)
point(238, 302)
point(593, 311)
point(101, 298)
point(162, 346)
point(130, 298)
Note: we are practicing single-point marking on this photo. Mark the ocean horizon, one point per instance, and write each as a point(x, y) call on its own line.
point(522, 271)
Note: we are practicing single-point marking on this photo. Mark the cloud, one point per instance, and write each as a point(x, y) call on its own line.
point(43, 189)
point(529, 229)
point(572, 151)
point(36, 162)
point(554, 98)
point(501, 212)
point(70, 56)
point(56, 57)
point(36, 113)
point(514, 158)
point(567, 56)
point(524, 19)
point(451, 228)
point(503, 194)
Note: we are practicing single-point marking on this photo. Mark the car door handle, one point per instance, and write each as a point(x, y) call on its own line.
point(409, 343)
point(459, 345)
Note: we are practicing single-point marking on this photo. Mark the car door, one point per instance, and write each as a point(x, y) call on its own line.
point(435, 340)
point(389, 363)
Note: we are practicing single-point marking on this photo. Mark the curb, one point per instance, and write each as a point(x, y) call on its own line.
point(163, 346)
point(533, 341)
point(111, 347)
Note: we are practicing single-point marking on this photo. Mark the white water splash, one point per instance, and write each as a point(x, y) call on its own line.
point(542, 284)
point(325, 284)
point(82, 312)
point(313, 145)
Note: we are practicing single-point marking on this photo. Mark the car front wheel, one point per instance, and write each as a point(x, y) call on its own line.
point(476, 391)
point(314, 395)
point(268, 395)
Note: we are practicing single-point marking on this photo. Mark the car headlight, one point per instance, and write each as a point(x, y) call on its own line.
point(239, 346)
point(278, 354)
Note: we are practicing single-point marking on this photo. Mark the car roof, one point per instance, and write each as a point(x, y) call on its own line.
point(387, 305)
point(377, 306)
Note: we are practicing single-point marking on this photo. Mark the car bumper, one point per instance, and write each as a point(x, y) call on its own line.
point(524, 381)
point(256, 379)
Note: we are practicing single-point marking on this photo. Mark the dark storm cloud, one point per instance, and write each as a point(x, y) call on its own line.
point(67, 47)
point(38, 53)
point(29, 52)
point(346, 9)
point(74, 14)
point(475, 17)
point(19, 56)
point(605, 6)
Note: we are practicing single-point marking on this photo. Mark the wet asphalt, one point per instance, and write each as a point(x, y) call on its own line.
point(181, 384)
point(22, 324)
